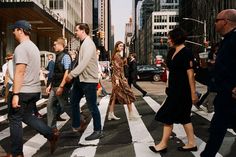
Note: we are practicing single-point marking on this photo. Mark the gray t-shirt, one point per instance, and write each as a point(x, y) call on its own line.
point(28, 53)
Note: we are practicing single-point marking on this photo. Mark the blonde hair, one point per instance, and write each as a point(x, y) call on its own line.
point(61, 41)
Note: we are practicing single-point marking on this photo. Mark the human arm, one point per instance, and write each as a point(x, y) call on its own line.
point(17, 83)
point(86, 53)
point(191, 80)
point(66, 62)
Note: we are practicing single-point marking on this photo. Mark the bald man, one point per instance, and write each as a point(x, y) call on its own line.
point(225, 81)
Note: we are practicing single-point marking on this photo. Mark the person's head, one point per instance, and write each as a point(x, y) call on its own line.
point(81, 30)
point(132, 55)
point(59, 44)
point(176, 37)
point(50, 57)
point(21, 30)
point(119, 47)
point(225, 21)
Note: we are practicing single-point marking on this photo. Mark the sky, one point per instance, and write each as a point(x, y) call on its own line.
point(121, 11)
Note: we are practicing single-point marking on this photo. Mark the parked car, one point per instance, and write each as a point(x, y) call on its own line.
point(150, 72)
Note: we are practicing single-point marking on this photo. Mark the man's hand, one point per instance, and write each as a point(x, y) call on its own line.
point(15, 101)
point(234, 93)
point(59, 91)
point(68, 79)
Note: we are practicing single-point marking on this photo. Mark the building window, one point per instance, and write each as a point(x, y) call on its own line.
point(56, 4)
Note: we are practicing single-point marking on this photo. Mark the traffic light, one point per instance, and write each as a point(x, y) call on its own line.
point(102, 34)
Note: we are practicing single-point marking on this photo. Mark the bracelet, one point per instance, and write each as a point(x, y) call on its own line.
point(15, 94)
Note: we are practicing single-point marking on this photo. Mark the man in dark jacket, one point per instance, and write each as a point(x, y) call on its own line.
point(225, 81)
point(132, 77)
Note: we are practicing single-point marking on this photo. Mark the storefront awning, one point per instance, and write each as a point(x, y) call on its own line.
point(44, 22)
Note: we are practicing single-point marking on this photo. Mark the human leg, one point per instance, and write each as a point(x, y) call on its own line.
point(111, 115)
point(190, 135)
point(139, 88)
point(167, 130)
point(62, 102)
point(132, 115)
point(76, 95)
point(91, 98)
point(219, 124)
point(16, 131)
point(52, 109)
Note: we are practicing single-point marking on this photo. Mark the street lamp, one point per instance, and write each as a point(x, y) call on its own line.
point(204, 25)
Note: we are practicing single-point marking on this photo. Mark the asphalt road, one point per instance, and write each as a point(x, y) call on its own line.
point(122, 138)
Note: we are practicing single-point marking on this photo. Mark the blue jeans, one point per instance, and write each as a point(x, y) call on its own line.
point(80, 89)
point(16, 116)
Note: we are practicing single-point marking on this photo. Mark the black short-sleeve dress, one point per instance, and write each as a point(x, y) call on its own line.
point(177, 107)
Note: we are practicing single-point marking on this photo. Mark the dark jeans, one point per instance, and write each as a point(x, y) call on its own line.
point(80, 89)
point(224, 118)
point(16, 116)
point(134, 82)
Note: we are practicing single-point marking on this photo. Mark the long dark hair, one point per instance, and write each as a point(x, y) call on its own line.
point(115, 49)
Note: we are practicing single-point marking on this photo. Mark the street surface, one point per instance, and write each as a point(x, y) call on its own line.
point(123, 138)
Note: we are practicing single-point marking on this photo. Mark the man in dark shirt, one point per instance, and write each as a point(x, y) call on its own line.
point(132, 76)
point(225, 82)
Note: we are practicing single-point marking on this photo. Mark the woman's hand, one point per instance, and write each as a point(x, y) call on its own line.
point(117, 82)
point(194, 98)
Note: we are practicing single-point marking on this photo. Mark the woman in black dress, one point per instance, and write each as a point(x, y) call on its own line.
point(180, 94)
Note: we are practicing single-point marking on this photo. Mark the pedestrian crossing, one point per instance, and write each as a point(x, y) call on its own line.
point(122, 137)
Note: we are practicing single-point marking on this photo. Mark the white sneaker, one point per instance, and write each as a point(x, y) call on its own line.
point(134, 116)
point(111, 116)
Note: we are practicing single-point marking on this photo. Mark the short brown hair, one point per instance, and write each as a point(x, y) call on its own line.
point(83, 26)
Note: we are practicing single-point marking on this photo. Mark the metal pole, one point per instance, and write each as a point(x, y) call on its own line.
point(204, 34)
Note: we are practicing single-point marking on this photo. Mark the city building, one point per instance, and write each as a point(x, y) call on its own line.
point(200, 11)
point(128, 37)
point(157, 18)
point(159, 24)
point(47, 24)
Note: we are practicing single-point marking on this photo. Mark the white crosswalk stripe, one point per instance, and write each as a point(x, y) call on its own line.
point(141, 138)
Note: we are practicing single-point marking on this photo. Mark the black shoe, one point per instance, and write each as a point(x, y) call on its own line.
point(144, 94)
point(95, 135)
point(187, 149)
point(60, 119)
point(152, 148)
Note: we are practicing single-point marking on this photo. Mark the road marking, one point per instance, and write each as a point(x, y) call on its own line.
point(36, 142)
point(3, 107)
point(91, 146)
point(141, 137)
point(178, 128)
point(4, 117)
point(208, 116)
